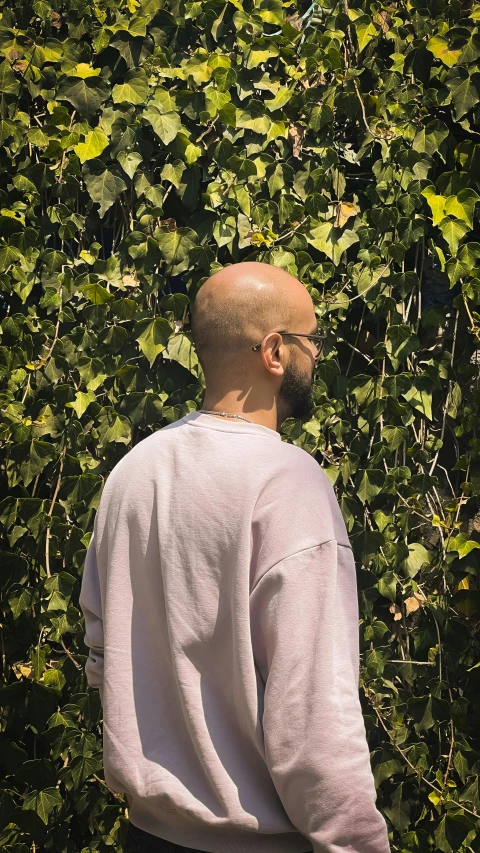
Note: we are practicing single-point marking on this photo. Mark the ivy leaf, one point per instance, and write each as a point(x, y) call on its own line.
point(173, 172)
point(176, 245)
point(430, 137)
point(439, 46)
point(8, 82)
point(370, 484)
point(180, 349)
point(152, 336)
point(103, 185)
point(419, 395)
point(282, 97)
point(418, 556)
point(401, 342)
point(129, 161)
point(394, 436)
point(387, 585)
point(43, 802)
point(95, 143)
point(464, 91)
point(86, 95)
point(366, 31)
point(33, 456)
point(81, 402)
point(165, 125)
point(452, 831)
point(331, 241)
point(462, 205)
point(399, 812)
point(134, 89)
point(453, 230)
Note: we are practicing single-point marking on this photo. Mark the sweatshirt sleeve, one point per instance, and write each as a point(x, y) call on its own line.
point(304, 613)
point(91, 606)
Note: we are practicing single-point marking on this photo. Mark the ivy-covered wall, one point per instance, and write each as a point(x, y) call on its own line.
point(145, 144)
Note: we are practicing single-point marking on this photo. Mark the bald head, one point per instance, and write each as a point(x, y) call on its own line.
point(236, 307)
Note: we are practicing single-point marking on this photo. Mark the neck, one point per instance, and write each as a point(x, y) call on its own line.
point(257, 416)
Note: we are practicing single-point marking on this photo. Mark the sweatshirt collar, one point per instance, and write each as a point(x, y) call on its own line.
point(201, 419)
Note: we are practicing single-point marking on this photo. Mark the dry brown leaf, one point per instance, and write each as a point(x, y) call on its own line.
point(169, 224)
point(396, 610)
point(295, 21)
point(295, 134)
point(345, 210)
point(411, 604)
point(384, 19)
point(129, 281)
point(21, 670)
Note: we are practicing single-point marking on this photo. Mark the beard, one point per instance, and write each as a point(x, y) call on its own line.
point(295, 397)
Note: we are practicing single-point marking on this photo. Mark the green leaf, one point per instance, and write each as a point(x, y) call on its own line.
point(394, 436)
point(261, 51)
point(366, 31)
point(418, 556)
point(436, 203)
point(464, 91)
point(462, 205)
point(176, 245)
point(9, 84)
point(35, 456)
point(387, 585)
point(332, 241)
point(282, 97)
point(165, 125)
point(173, 172)
point(401, 342)
point(453, 230)
point(43, 802)
point(152, 336)
point(399, 812)
point(103, 185)
point(95, 143)
point(430, 137)
point(86, 95)
point(462, 544)
point(129, 161)
point(370, 484)
point(181, 349)
point(452, 831)
point(134, 89)
point(96, 293)
point(439, 46)
point(81, 402)
point(215, 100)
point(419, 395)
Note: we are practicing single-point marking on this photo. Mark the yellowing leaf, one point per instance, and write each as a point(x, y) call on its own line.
point(366, 31)
point(344, 211)
point(95, 143)
point(438, 45)
point(436, 204)
point(84, 70)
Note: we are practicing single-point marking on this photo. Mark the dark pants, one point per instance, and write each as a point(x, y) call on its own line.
point(139, 841)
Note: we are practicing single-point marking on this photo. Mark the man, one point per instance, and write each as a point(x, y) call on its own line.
point(220, 604)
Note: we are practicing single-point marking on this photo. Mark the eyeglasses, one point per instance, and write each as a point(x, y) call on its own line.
point(319, 338)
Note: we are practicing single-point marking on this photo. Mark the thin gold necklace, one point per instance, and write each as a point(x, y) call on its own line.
point(225, 415)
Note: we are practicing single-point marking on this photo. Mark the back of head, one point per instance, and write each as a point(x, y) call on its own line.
point(235, 308)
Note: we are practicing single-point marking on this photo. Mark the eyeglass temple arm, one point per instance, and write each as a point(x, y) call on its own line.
point(321, 335)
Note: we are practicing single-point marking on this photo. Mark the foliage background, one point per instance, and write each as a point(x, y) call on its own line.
point(145, 144)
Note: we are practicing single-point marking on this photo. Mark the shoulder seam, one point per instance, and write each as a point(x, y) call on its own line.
point(309, 548)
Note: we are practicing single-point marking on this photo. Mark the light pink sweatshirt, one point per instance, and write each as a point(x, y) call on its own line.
point(221, 616)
